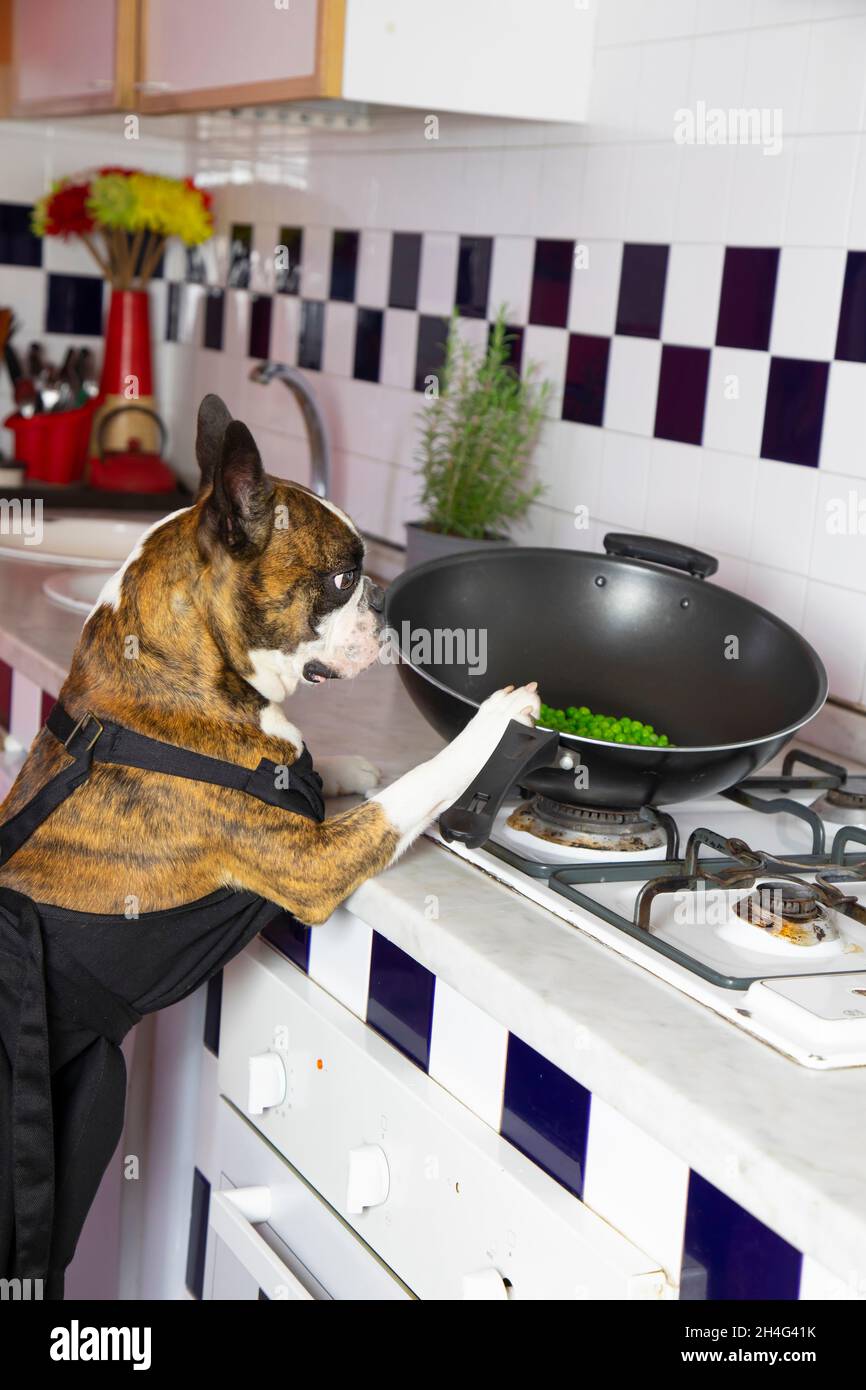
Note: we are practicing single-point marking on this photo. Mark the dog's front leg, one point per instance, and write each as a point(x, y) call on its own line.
point(311, 868)
point(345, 773)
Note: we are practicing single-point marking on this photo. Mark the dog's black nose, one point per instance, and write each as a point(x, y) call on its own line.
point(376, 598)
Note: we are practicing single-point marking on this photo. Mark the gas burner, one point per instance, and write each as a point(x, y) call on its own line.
point(844, 805)
point(789, 912)
point(587, 827)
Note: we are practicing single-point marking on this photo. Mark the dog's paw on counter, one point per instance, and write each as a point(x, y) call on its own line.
point(346, 773)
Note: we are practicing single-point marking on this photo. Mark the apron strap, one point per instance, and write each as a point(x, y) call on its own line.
point(299, 789)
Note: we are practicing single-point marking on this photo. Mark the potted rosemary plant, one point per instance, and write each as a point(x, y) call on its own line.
point(477, 439)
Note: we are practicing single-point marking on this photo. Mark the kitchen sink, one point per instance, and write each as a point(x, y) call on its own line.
point(97, 542)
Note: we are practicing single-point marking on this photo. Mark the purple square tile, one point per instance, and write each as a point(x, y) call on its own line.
point(291, 938)
point(545, 1114)
point(794, 412)
point(400, 1003)
point(747, 296)
point(730, 1254)
point(642, 290)
point(551, 283)
point(585, 378)
point(851, 338)
point(473, 275)
point(260, 326)
point(682, 393)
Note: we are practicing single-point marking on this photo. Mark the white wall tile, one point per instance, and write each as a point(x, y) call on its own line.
point(779, 592)
point(652, 192)
point(613, 101)
point(624, 480)
point(338, 353)
point(726, 504)
point(595, 287)
point(718, 71)
point(833, 623)
point(438, 273)
point(399, 342)
point(316, 262)
point(636, 1185)
point(843, 436)
point(692, 289)
point(374, 268)
point(511, 276)
point(467, 1053)
point(560, 204)
point(835, 79)
point(605, 191)
point(808, 296)
point(822, 184)
point(619, 21)
point(548, 347)
point(775, 72)
point(571, 466)
point(663, 87)
point(632, 384)
point(736, 397)
point(340, 958)
point(838, 542)
point(674, 487)
point(667, 18)
point(703, 198)
point(734, 14)
point(285, 328)
point(25, 290)
point(236, 323)
point(785, 497)
point(758, 195)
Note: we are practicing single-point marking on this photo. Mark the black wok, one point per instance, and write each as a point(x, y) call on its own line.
point(636, 631)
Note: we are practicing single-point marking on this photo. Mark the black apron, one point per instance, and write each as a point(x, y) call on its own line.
point(72, 984)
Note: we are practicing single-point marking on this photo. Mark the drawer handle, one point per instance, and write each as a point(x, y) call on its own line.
point(232, 1214)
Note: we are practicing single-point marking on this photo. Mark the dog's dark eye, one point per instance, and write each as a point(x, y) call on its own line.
point(345, 580)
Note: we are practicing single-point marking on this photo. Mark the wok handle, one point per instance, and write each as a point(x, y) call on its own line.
point(520, 750)
point(661, 552)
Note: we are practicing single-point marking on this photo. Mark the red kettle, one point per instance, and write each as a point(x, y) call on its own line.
point(130, 469)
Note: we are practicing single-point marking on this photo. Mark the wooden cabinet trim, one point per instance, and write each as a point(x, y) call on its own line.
point(118, 98)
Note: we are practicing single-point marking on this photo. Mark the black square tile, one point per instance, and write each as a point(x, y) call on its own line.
point(405, 269)
point(794, 413)
point(400, 1003)
point(291, 938)
point(585, 378)
point(172, 312)
point(196, 269)
point(851, 337)
point(747, 296)
point(473, 275)
point(240, 255)
point(551, 283)
point(545, 1114)
point(74, 305)
point(260, 326)
point(5, 694)
point(730, 1254)
point(311, 335)
point(344, 266)
point(290, 250)
point(682, 393)
point(197, 1242)
point(368, 344)
point(642, 289)
point(513, 345)
point(430, 353)
point(214, 314)
point(18, 244)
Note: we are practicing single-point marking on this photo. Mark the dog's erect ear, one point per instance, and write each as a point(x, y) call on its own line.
point(213, 421)
point(239, 512)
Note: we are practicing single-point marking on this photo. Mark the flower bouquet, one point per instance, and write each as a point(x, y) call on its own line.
point(125, 217)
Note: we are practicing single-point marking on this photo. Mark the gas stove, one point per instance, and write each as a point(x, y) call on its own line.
point(753, 902)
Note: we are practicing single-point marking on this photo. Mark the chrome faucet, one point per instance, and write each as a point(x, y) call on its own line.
point(317, 434)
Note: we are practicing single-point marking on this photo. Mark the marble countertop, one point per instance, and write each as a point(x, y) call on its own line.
point(785, 1142)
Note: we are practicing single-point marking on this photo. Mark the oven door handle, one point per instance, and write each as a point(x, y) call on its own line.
point(232, 1214)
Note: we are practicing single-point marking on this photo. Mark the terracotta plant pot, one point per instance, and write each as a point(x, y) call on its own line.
point(423, 545)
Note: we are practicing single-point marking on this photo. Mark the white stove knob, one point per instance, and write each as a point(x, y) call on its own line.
point(267, 1083)
point(485, 1285)
point(369, 1178)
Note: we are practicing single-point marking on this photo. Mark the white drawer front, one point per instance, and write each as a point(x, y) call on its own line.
point(456, 1211)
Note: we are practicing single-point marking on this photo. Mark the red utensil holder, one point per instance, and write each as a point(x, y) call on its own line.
point(53, 448)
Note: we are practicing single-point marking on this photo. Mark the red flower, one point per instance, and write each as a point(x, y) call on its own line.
point(116, 169)
point(66, 214)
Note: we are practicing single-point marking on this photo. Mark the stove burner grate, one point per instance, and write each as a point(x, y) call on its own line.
point(606, 829)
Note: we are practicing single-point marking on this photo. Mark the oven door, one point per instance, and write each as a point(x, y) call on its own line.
point(270, 1236)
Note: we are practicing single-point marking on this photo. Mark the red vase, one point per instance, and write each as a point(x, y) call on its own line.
point(127, 373)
